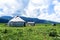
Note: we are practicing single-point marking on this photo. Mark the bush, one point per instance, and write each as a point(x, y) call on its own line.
point(53, 33)
point(5, 31)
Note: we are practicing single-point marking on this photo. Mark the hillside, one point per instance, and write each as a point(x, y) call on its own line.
point(2, 20)
point(5, 19)
point(37, 32)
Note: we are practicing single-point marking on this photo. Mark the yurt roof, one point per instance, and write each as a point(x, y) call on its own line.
point(17, 19)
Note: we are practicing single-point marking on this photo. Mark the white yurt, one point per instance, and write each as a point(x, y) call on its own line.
point(31, 23)
point(16, 21)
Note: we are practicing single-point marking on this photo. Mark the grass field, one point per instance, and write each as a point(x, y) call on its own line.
point(37, 32)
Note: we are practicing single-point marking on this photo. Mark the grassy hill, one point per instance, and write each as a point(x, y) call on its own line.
point(37, 32)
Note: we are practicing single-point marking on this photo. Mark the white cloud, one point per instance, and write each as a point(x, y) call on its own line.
point(53, 17)
point(10, 6)
point(31, 9)
point(44, 14)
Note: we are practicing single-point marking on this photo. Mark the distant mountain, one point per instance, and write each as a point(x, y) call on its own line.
point(36, 20)
point(5, 19)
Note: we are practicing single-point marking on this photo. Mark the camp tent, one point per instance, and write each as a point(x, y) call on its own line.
point(31, 23)
point(16, 21)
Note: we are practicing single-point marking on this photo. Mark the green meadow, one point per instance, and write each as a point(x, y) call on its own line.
point(37, 32)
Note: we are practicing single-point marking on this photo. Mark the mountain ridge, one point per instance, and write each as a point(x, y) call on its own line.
point(5, 19)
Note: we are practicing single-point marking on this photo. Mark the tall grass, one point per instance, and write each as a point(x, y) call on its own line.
point(37, 32)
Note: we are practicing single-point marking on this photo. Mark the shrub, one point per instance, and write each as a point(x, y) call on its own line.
point(53, 33)
point(30, 30)
point(5, 31)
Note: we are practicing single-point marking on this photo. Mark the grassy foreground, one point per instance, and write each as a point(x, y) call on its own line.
point(37, 32)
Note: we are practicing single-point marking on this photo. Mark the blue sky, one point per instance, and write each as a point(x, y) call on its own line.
point(42, 9)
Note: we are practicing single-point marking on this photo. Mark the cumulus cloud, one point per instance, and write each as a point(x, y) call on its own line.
point(7, 6)
point(11, 6)
point(55, 16)
point(48, 9)
point(42, 9)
